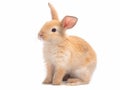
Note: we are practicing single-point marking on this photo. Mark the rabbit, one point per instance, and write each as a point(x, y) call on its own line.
point(68, 58)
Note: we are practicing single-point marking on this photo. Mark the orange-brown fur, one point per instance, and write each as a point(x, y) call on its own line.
point(68, 58)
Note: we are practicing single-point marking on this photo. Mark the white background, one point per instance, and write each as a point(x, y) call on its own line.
point(21, 61)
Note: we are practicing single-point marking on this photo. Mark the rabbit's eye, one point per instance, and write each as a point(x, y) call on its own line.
point(53, 29)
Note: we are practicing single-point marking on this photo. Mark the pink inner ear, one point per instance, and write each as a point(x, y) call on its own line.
point(65, 24)
point(69, 22)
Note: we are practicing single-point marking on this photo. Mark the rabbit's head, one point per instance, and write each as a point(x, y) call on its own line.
point(54, 30)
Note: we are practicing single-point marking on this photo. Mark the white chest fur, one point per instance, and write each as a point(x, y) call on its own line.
point(56, 54)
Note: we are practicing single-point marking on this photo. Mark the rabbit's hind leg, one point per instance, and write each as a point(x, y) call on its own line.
point(76, 81)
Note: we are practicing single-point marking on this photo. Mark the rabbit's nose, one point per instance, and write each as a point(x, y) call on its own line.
point(40, 35)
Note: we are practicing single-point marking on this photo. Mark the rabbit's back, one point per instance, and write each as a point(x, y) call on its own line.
point(82, 53)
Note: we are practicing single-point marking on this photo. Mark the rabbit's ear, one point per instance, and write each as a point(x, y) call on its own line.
point(53, 12)
point(68, 22)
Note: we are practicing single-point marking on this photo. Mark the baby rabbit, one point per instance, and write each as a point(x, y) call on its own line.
point(66, 55)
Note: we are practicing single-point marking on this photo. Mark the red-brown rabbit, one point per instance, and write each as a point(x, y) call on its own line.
point(66, 55)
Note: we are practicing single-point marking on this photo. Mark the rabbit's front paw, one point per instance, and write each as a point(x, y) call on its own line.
point(47, 81)
point(56, 82)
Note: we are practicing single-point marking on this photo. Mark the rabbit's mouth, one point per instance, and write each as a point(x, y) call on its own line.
point(40, 37)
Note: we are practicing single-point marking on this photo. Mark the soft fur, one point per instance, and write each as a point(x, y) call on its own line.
point(68, 58)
